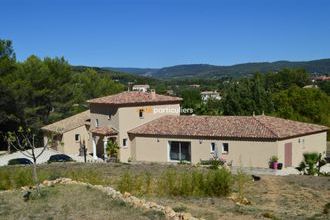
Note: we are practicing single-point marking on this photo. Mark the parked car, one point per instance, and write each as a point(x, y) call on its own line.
point(19, 161)
point(60, 158)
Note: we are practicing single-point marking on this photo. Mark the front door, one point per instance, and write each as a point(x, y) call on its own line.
point(288, 155)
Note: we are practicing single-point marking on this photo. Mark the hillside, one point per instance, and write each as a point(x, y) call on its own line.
point(211, 71)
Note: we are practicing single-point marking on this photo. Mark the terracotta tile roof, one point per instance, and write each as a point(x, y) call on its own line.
point(69, 123)
point(134, 97)
point(104, 131)
point(254, 127)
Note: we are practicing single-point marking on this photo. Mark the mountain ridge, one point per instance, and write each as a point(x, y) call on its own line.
point(320, 66)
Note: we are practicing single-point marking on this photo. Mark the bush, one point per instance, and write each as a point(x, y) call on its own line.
point(241, 180)
point(126, 183)
point(214, 163)
point(311, 163)
point(213, 183)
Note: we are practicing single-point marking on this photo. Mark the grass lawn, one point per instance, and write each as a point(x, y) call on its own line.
point(273, 197)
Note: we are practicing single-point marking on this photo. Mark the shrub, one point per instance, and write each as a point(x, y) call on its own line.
point(241, 180)
point(219, 182)
point(197, 182)
point(126, 183)
point(148, 181)
point(273, 159)
point(112, 149)
point(213, 183)
point(214, 163)
point(311, 163)
point(326, 209)
point(180, 209)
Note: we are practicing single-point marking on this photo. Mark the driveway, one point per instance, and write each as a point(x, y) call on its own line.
point(43, 158)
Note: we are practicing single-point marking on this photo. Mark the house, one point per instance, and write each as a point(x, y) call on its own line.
point(195, 86)
point(148, 127)
point(206, 95)
point(141, 88)
point(311, 87)
point(70, 133)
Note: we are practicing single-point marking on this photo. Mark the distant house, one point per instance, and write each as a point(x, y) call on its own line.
point(141, 88)
point(321, 78)
point(311, 87)
point(170, 92)
point(148, 127)
point(206, 95)
point(194, 85)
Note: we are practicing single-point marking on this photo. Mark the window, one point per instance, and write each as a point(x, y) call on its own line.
point(96, 122)
point(179, 151)
point(225, 148)
point(77, 137)
point(125, 142)
point(213, 147)
point(141, 113)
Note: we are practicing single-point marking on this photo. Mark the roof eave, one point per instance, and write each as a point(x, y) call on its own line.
point(139, 103)
point(272, 139)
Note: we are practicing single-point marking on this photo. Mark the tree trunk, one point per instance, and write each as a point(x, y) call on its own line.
point(8, 149)
point(35, 175)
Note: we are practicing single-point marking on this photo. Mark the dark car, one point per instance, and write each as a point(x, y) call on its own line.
point(59, 158)
point(19, 161)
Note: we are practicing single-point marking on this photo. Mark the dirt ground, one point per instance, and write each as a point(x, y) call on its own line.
point(69, 202)
point(273, 197)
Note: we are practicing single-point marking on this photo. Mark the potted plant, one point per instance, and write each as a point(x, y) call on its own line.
point(273, 162)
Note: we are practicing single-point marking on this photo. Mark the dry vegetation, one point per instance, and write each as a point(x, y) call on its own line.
point(69, 202)
point(274, 197)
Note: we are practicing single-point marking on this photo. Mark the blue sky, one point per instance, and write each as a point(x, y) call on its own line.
point(158, 33)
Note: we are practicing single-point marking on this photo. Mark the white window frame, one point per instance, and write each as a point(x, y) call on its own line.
point(223, 148)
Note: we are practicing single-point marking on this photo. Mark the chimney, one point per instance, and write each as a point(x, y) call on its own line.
point(153, 94)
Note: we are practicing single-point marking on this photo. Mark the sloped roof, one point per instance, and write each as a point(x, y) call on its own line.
point(254, 127)
point(104, 131)
point(134, 97)
point(69, 123)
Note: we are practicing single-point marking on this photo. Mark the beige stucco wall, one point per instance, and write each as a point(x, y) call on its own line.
point(309, 143)
point(125, 118)
point(243, 153)
point(68, 145)
point(129, 119)
point(71, 146)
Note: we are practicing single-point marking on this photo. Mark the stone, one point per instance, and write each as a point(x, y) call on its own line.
point(287, 171)
point(126, 195)
point(325, 169)
point(186, 216)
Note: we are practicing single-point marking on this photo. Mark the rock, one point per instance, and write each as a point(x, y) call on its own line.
point(287, 171)
point(186, 216)
point(152, 204)
point(26, 195)
point(24, 188)
point(325, 169)
point(126, 195)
